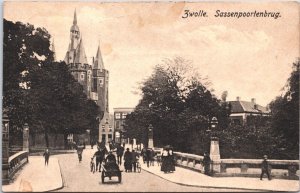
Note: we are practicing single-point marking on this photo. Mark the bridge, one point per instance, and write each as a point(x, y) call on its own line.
point(66, 174)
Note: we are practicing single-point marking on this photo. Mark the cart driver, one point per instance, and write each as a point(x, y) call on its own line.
point(110, 161)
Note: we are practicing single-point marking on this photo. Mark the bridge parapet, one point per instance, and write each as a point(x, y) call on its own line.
point(287, 169)
point(189, 161)
point(284, 169)
point(16, 162)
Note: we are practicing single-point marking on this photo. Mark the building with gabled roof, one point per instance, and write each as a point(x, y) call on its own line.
point(241, 109)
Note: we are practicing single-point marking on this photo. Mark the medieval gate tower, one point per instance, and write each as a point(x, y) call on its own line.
point(94, 78)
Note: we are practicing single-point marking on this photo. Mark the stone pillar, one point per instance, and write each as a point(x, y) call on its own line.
point(5, 149)
point(215, 155)
point(26, 137)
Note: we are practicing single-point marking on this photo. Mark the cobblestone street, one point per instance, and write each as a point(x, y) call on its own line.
point(77, 177)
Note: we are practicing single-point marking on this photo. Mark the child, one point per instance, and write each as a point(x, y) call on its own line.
point(92, 165)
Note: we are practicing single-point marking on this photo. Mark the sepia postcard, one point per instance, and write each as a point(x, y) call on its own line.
point(162, 96)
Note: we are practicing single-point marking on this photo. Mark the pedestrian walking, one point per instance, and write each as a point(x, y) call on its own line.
point(120, 152)
point(92, 165)
point(152, 155)
point(79, 149)
point(46, 156)
point(171, 161)
point(143, 153)
point(206, 163)
point(164, 159)
point(135, 159)
point(100, 155)
point(265, 168)
point(148, 157)
point(128, 161)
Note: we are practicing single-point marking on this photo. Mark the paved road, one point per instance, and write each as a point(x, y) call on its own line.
point(78, 178)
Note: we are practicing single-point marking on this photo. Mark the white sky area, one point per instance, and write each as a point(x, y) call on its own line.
point(248, 57)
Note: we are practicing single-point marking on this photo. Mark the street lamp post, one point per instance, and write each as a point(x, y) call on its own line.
point(150, 136)
point(214, 147)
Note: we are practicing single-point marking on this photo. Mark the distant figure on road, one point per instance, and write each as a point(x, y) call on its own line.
point(265, 168)
point(128, 161)
point(92, 165)
point(143, 153)
point(206, 163)
point(100, 155)
point(171, 161)
point(135, 158)
point(46, 155)
point(120, 152)
point(148, 157)
point(79, 149)
point(164, 159)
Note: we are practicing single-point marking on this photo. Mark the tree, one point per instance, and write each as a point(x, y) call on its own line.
point(37, 90)
point(285, 114)
point(177, 104)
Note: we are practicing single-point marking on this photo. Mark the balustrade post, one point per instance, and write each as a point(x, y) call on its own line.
point(26, 137)
point(215, 155)
point(5, 148)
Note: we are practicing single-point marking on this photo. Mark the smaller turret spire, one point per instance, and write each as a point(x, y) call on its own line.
point(98, 64)
point(75, 18)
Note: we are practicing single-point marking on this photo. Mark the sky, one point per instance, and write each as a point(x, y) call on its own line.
point(248, 57)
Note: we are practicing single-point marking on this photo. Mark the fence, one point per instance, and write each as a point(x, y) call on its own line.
point(16, 162)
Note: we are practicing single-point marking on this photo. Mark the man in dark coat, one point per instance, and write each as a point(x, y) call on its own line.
point(265, 168)
point(47, 156)
point(206, 163)
point(148, 157)
point(128, 161)
point(120, 151)
point(79, 152)
point(100, 154)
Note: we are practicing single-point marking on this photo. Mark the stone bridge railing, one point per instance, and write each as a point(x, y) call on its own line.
point(286, 169)
point(190, 161)
point(16, 162)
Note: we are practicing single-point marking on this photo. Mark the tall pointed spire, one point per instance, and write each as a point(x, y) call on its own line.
point(75, 18)
point(98, 60)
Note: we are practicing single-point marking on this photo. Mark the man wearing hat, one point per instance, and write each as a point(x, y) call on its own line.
point(265, 168)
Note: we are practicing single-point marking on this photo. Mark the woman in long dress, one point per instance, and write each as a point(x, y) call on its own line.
point(164, 159)
point(171, 161)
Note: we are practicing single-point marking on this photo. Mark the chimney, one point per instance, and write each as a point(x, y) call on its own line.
point(238, 98)
point(253, 100)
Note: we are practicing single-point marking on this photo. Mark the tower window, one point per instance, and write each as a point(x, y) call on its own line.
point(82, 76)
point(101, 82)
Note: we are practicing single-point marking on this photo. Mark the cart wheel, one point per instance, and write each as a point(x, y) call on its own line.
point(102, 177)
point(120, 178)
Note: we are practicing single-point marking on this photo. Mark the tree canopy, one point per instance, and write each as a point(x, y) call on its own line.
point(177, 104)
point(39, 91)
point(285, 113)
